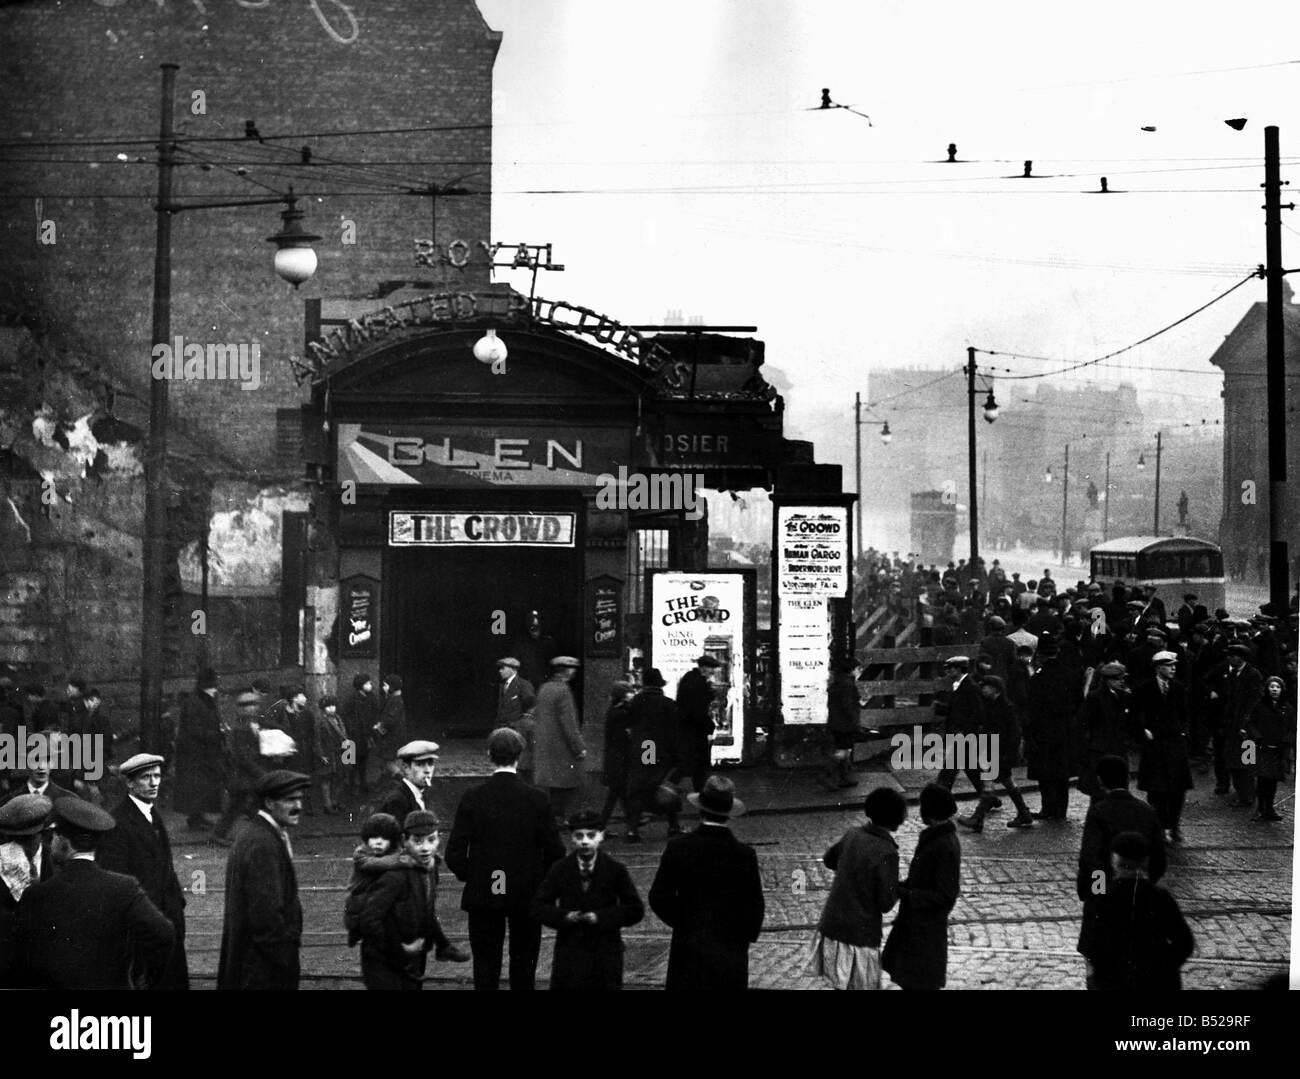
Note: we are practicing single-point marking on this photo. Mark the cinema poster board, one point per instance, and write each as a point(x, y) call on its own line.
point(710, 612)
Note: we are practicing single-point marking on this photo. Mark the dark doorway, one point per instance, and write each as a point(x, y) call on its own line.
point(443, 602)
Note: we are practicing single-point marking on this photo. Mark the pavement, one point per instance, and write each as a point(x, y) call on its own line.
point(1014, 927)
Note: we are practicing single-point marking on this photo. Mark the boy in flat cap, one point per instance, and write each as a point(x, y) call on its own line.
point(140, 847)
point(85, 927)
point(587, 897)
point(399, 923)
point(262, 929)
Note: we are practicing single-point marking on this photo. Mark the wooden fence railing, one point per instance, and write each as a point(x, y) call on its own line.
point(899, 683)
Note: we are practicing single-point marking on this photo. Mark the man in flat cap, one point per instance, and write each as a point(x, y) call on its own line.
point(962, 712)
point(262, 931)
point(140, 847)
point(1162, 714)
point(24, 860)
point(695, 694)
point(559, 749)
point(515, 702)
point(86, 927)
point(411, 793)
point(1105, 723)
point(502, 843)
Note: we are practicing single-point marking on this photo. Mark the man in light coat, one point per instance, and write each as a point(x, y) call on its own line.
point(559, 749)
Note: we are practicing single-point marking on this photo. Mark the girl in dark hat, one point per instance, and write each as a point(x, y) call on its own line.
point(1272, 727)
point(916, 953)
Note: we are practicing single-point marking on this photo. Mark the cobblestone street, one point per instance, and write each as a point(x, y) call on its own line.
point(1015, 926)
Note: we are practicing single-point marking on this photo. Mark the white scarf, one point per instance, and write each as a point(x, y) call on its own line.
point(15, 869)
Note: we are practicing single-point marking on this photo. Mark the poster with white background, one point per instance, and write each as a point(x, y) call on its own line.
point(804, 647)
point(812, 550)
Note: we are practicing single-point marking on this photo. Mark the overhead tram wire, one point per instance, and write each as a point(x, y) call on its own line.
point(1127, 348)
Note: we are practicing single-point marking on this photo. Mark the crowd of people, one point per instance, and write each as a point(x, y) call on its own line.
point(1073, 683)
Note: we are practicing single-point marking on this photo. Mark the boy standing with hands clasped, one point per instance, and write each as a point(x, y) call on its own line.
point(586, 898)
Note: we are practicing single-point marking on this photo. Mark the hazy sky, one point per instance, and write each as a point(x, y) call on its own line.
point(701, 184)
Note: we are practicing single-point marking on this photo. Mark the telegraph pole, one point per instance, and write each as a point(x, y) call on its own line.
point(1278, 582)
point(153, 623)
point(973, 513)
point(1065, 505)
point(857, 444)
point(1105, 513)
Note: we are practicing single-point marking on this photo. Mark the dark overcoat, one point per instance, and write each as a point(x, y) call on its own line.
point(1138, 940)
point(1272, 726)
point(1106, 727)
point(400, 908)
point(916, 951)
point(391, 735)
point(588, 957)
point(1051, 730)
point(502, 843)
point(514, 698)
point(1000, 718)
point(87, 928)
point(961, 709)
point(198, 756)
point(9, 919)
point(1117, 811)
point(618, 722)
point(144, 851)
point(1239, 693)
point(263, 923)
point(695, 695)
point(843, 705)
point(652, 742)
point(708, 891)
point(1163, 765)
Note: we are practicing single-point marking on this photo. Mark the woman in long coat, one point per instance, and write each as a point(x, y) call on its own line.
point(558, 749)
point(199, 743)
point(916, 953)
point(1272, 726)
point(327, 768)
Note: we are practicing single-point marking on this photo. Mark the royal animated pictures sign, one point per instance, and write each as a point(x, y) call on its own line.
point(696, 613)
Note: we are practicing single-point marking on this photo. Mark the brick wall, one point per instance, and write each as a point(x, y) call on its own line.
point(91, 69)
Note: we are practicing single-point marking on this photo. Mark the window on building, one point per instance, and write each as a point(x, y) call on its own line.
point(646, 550)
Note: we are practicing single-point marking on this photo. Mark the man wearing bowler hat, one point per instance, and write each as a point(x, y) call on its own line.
point(140, 847)
point(24, 860)
point(695, 692)
point(86, 927)
point(707, 890)
point(262, 930)
point(502, 843)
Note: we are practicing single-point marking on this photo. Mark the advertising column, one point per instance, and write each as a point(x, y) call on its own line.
point(812, 567)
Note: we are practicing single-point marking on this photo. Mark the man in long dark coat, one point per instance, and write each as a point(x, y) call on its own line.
point(695, 693)
point(85, 927)
point(708, 891)
point(241, 765)
point(1051, 734)
point(1114, 811)
point(1105, 723)
point(1164, 771)
point(652, 751)
point(198, 754)
point(360, 712)
point(962, 712)
point(262, 930)
point(1238, 687)
point(502, 843)
point(139, 846)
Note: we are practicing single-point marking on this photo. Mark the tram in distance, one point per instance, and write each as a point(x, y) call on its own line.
point(1176, 565)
